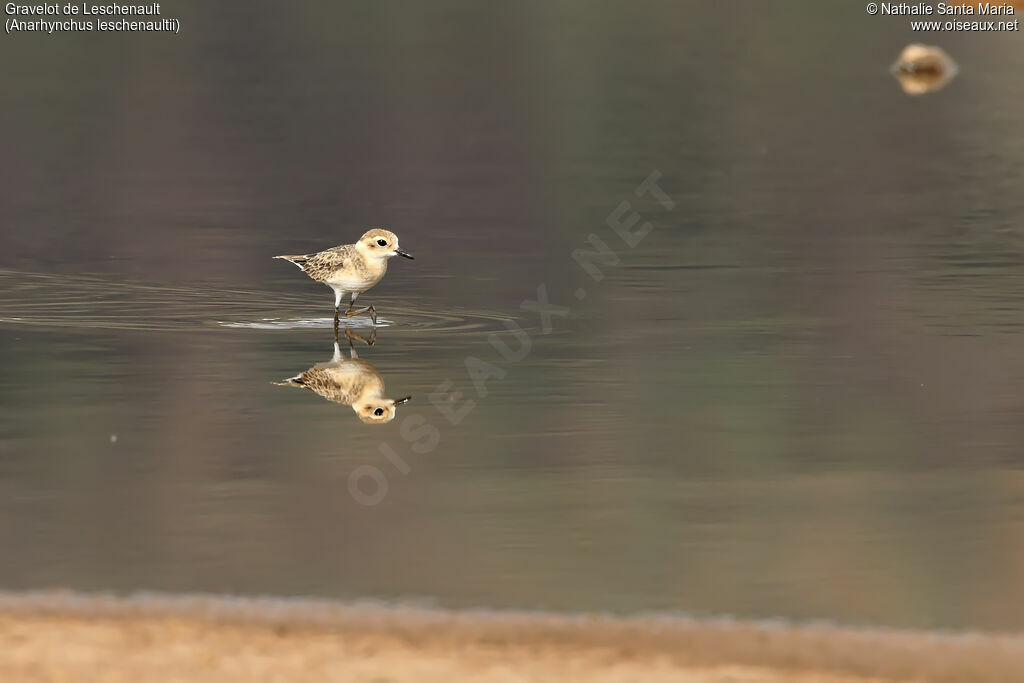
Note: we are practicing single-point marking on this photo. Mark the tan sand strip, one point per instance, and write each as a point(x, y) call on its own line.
point(56, 636)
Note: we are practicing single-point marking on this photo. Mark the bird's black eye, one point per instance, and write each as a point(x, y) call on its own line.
point(382, 243)
point(378, 412)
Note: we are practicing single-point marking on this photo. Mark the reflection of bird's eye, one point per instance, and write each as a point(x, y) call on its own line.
point(382, 243)
point(378, 412)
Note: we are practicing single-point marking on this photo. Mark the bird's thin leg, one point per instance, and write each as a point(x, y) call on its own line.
point(368, 309)
point(337, 305)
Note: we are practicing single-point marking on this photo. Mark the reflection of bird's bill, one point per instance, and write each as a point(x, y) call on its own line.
point(404, 253)
point(400, 401)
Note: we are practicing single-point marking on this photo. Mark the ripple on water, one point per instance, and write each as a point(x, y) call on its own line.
point(408, 318)
point(50, 300)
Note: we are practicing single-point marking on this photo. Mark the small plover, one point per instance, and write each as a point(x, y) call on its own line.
point(351, 382)
point(352, 268)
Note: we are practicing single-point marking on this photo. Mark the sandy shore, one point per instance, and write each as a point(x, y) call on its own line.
point(71, 637)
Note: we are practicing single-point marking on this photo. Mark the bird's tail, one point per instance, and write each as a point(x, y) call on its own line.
point(298, 260)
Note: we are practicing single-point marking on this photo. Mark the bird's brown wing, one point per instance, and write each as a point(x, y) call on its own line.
point(322, 264)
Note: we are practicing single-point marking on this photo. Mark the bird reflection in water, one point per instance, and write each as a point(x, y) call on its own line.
point(350, 381)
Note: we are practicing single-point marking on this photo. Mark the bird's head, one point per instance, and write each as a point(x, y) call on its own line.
point(380, 243)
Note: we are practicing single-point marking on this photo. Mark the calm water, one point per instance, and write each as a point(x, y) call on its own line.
point(800, 395)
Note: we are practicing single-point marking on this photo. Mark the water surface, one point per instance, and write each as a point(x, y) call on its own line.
point(799, 395)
